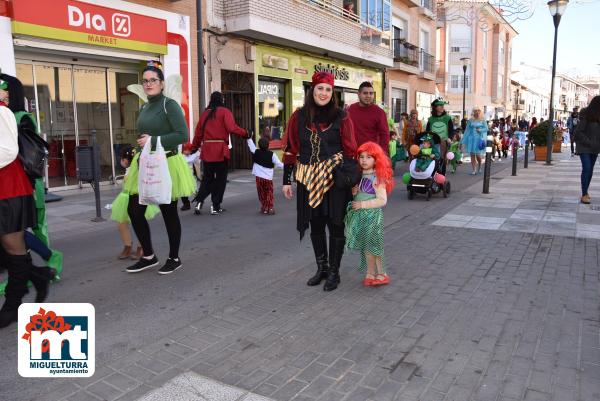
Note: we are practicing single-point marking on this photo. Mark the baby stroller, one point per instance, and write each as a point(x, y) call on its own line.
point(430, 181)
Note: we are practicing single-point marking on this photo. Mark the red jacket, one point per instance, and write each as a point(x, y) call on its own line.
point(370, 124)
point(214, 139)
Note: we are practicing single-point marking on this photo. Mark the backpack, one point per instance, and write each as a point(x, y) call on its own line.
point(33, 150)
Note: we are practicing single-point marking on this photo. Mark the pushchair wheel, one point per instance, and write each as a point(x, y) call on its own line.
point(447, 187)
point(411, 194)
point(428, 196)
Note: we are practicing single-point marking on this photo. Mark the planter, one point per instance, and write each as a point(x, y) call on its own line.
point(540, 153)
point(556, 147)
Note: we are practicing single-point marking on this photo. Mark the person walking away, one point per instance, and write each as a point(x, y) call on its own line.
point(572, 123)
point(364, 218)
point(212, 138)
point(368, 119)
point(587, 137)
point(440, 123)
point(412, 128)
point(18, 211)
point(475, 135)
point(160, 118)
point(319, 137)
point(120, 206)
point(264, 162)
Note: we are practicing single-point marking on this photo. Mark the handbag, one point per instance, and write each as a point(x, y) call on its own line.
point(154, 180)
point(347, 174)
point(33, 152)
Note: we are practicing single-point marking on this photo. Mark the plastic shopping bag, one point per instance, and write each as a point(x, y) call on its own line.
point(154, 181)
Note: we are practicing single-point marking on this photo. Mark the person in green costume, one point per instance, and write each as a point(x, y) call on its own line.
point(427, 154)
point(39, 240)
point(440, 123)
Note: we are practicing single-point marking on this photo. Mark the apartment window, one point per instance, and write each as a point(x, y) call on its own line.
point(484, 82)
point(500, 86)
point(399, 103)
point(460, 38)
point(455, 49)
point(456, 81)
point(376, 13)
point(485, 45)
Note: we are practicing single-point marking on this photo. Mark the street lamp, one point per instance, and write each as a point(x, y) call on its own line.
point(557, 9)
point(466, 61)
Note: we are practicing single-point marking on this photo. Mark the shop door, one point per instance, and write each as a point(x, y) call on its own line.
point(238, 91)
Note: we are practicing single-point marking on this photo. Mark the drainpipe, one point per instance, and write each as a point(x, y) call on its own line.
point(201, 72)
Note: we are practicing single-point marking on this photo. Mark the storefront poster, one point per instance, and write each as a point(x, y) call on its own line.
point(75, 21)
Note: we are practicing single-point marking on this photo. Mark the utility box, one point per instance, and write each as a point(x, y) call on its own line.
point(84, 160)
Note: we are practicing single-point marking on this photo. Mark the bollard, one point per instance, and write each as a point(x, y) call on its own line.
point(526, 159)
point(488, 162)
point(515, 147)
point(96, 182)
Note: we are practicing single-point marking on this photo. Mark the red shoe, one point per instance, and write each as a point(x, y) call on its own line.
point(368, 282)
point(385, 280)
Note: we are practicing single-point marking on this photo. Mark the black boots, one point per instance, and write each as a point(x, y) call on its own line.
point(19, 269)
point(319, 243)
point(40, 278)
point(336, 250)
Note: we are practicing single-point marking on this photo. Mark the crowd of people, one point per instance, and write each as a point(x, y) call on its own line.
point(341, 161)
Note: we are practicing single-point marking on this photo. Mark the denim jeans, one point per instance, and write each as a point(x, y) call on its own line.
point(587, 170)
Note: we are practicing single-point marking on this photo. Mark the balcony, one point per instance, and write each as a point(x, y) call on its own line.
point(411, 3)
point(413, 60)
point(427, 65)
point(426, 9)
point(318, 26)
point(406, 56)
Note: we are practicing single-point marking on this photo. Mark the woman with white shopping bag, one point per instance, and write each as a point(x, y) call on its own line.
point(159, 174)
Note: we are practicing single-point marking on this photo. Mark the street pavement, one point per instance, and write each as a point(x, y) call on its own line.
point(472, 313)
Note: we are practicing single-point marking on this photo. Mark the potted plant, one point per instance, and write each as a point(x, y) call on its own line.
point(538, 137)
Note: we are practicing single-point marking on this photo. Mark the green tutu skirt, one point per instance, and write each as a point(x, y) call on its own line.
point(364, 233)
point(119, 209)
point(183, 183)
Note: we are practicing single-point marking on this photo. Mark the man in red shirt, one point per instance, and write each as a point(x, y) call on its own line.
point(369, 120)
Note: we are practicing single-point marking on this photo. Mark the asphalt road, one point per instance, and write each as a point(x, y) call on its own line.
point(224, 258)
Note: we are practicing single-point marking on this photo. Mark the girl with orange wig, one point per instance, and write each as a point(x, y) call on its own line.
point(364, 219)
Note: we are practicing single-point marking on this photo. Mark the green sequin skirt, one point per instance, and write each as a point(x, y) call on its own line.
point(364, 232)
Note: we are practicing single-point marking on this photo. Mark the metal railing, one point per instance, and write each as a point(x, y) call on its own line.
point(406, 53)
point(329, 6)
point(429, 4)
point(427, 62)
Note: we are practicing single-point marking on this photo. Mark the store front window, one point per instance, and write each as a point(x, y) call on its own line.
point(399, 103)
point(71, 103)
point(272, 109)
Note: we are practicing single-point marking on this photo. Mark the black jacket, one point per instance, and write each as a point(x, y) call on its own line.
point(587, 137)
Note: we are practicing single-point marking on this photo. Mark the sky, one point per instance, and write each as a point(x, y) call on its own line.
point(578, 51)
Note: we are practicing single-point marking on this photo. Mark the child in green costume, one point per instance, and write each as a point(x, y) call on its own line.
point(427, 154)
point(456, 149)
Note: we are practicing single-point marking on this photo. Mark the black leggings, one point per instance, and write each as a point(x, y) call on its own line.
point(142, 229)
point(213, 183)
point(318, 224)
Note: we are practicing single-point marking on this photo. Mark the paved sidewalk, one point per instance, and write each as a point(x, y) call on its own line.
point(541, 199)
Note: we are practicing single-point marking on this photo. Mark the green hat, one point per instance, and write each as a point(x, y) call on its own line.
point(3, 84)
point(439, 102)
point(427, 137)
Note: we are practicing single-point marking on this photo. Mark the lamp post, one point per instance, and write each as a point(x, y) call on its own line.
point(557, 9)
point(466, 61)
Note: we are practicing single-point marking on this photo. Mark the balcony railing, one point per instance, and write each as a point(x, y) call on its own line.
point(406, 53)
point(336, 9)
point(427, 62)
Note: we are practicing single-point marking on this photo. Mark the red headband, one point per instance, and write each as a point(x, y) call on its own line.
point(322, 77)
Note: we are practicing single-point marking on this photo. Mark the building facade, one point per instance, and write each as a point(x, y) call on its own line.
point(76, 60)
point(483, 38)
point(262, 53)
point(527, 103)
point(410, 82)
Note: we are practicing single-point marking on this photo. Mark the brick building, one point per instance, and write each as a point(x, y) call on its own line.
point(76, 59)
point(477, 31)
point(411, 81)
point(262, 54)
